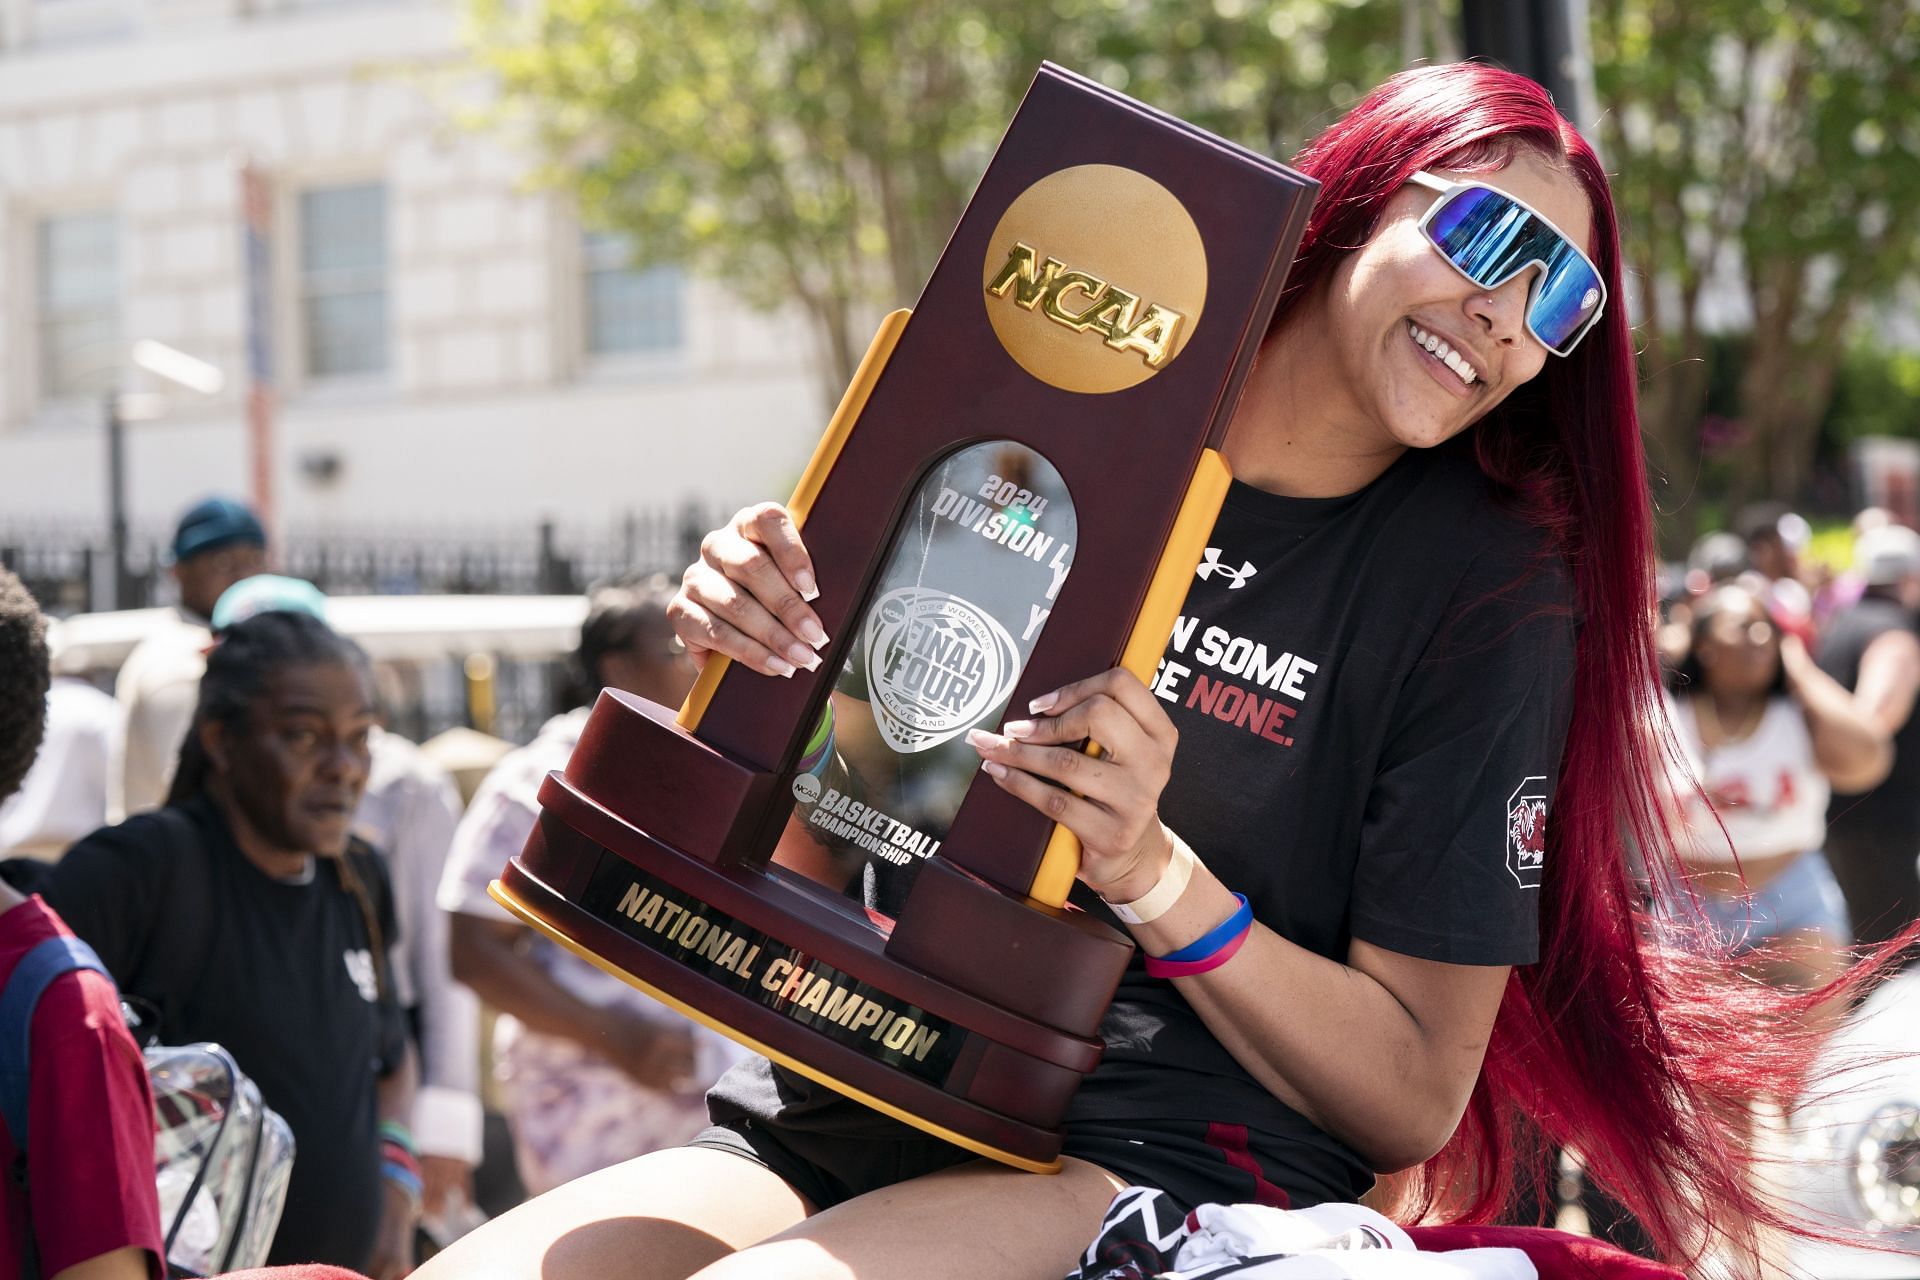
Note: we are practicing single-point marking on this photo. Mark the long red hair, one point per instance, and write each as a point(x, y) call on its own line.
point(1633, 1055)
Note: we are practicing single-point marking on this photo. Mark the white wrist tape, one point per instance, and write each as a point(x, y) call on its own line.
point(1159, 900)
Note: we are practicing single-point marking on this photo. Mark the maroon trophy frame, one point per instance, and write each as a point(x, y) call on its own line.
point(975, 1013)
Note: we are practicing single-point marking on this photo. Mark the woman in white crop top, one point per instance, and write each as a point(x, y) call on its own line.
point(1767, 735)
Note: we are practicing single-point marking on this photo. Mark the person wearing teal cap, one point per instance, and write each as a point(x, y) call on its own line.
point(407, 813)
point(266, 593)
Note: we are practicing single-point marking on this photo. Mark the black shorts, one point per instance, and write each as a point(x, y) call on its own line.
point(1193, 1162)
point(1147, 1123)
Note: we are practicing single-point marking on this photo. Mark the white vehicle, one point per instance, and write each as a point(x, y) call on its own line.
point(389, 628)
point(1856, 1153)
point(492, 663)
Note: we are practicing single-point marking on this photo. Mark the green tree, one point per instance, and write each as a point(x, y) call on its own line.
point(1768, 154)
point(1877, 393)
point(820, 152)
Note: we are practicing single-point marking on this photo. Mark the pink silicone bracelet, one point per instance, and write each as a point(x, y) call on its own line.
point(1158, 968)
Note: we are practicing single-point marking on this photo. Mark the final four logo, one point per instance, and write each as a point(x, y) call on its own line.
point(936, 665)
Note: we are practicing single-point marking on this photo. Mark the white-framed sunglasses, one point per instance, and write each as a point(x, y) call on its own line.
point(1490, 237)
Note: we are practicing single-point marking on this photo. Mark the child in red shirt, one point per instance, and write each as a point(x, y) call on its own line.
point(90, 1126)
point(95, 1214)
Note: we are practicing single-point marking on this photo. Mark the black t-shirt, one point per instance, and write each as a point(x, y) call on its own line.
point(1872, 837)
point(1372, 694)
point(1889, 812)
point(288, 988)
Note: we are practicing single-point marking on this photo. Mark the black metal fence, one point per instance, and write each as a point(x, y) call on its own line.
point(68, 566)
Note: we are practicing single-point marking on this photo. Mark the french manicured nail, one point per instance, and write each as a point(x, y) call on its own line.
point(813, 633)
point(809, 589)
point(780, 666)
point(993, 768)
point(1044, 703)
point(981, 740)
point(803, 656)
point(1018, 728)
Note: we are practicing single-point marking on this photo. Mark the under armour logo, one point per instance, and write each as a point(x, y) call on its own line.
point(1210, 565)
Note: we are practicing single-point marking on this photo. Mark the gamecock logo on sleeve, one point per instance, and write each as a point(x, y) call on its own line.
point(1527, 832)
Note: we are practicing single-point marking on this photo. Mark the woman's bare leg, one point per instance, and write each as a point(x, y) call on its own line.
point(979, 1219)
point(660, 1217)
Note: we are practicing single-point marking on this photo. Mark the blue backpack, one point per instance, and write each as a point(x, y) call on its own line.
point(49, 960)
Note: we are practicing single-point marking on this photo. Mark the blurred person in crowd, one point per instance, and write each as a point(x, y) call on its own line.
point(64, 795)
point(1847, 586)
point(296, 979)
point(1767, 737)
point(87, 1206)
point(1776, 536)
point(407, 814)
point(467, 755)
point(217, 543)
point(594, 1071)
point(1873, 834)
point(1673, 624)
point(1714, 558)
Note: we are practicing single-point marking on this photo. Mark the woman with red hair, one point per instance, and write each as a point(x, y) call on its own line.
point(1405, 937)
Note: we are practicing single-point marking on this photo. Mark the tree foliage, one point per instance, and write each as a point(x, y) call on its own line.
point(1877, 393)
point(820, 152)
point(1768, 156)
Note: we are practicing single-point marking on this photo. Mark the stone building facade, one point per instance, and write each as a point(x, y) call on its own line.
point(449, 347)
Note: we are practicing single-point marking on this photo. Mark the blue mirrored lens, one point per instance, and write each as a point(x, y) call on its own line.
point(1490, 238)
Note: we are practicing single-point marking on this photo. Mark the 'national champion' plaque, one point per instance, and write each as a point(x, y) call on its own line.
point(1013, 495)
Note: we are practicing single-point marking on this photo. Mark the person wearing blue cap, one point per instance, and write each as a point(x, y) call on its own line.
point(218, 542)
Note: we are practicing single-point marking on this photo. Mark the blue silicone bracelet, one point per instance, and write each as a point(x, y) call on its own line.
point(404, 1178)
point(1215, 938)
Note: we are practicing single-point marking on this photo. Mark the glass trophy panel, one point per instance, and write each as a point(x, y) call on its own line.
point(980, 555)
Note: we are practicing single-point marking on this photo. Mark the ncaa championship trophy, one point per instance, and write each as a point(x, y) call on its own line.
point(1013, 495)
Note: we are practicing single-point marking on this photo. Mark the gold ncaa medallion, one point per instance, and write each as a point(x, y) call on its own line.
point(1095, 278)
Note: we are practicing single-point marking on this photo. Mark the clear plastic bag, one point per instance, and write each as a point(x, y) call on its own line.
point(221, 1160)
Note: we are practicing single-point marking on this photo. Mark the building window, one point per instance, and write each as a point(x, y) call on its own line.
point(343, 280)
point(79, 276)
point(628, 311)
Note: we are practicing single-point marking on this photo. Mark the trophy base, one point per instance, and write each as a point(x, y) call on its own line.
point(981, 1045)
point(507, 898)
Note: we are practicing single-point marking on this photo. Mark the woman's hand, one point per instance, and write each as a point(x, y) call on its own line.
point(1796, 662)
point(1111, 802)
point(746, 596)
